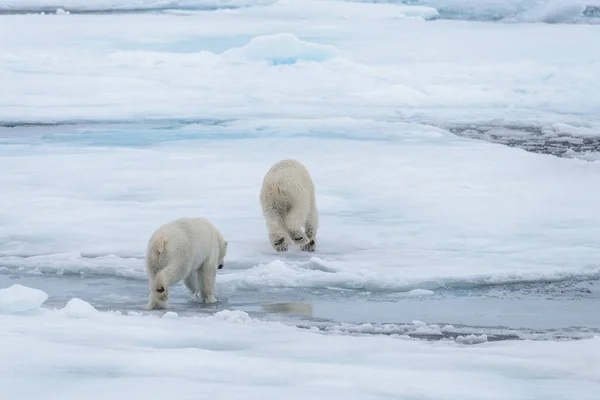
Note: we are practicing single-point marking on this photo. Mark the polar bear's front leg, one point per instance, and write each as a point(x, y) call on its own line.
point(208, 277)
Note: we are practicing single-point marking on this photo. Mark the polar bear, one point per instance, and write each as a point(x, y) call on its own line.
point(288, 204)
point(188, 249)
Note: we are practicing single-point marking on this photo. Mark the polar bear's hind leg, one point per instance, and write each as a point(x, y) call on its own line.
point(294, 222)
point(310, 227)
point(207, 278)
point(277, 235)
point(154, 302)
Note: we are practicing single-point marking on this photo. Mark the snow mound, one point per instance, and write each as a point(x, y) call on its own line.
point(170, 315)
point(235, 316)
point(317, 264)
point(77, 308)
point(283, 48)
point(20, 299)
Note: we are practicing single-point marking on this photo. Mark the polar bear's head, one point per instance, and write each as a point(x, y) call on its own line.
point(222, 252)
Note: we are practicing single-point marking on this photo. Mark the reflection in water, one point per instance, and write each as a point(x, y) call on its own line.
point(289, 308)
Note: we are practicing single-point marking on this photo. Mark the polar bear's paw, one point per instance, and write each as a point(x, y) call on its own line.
point(210, 299)
point(162, 293)
point(310, 246)
point(299, 238)
point(280, 245)
point(154, 304)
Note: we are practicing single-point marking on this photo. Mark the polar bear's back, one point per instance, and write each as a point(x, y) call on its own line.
point(182, 236)
point(287, 183)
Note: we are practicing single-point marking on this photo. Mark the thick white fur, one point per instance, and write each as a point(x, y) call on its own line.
point(288, 204)
point(188, 249)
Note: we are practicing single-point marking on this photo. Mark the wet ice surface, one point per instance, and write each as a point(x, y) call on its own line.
point(540, 311)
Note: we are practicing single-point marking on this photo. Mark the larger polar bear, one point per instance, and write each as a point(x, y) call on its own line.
point(188, 249)
point(288, 204)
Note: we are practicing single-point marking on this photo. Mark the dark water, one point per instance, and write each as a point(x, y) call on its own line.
point(536, 139)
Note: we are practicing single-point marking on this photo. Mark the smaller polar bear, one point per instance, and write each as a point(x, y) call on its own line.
point(288, 204)
point(188, 249)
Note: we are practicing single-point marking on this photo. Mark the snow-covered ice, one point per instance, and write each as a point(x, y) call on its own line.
point(170, 314)
point(418, 209)
point(18, 299)
point(230, 355)
point(420, 292)
point(359, 60)
point(118, 116)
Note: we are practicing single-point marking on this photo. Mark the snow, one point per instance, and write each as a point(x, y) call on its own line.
point(420, 292)
point(231, 355)
point(283, 48)
point(18, 299)
point(389, 65)
point(548, 11)
point(170, 315)
point(77, 308)
point(431, 210)
point(113, 123)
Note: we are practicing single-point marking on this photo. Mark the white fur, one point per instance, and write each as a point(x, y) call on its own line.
point(188, 249)
point(288, 204)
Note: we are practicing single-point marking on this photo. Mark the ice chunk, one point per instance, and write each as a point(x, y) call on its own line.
point(77, 308)
point(422, 328)
point(472, 339)
point(170, 314)
point(19, 299)
point(283, 48)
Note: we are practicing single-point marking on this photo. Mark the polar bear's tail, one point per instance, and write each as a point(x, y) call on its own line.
point(160, 245)
point(156, 249)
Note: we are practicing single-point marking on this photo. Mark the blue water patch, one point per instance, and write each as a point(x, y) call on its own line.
point(131, 136)
point(105, 134)
point(148, 134)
